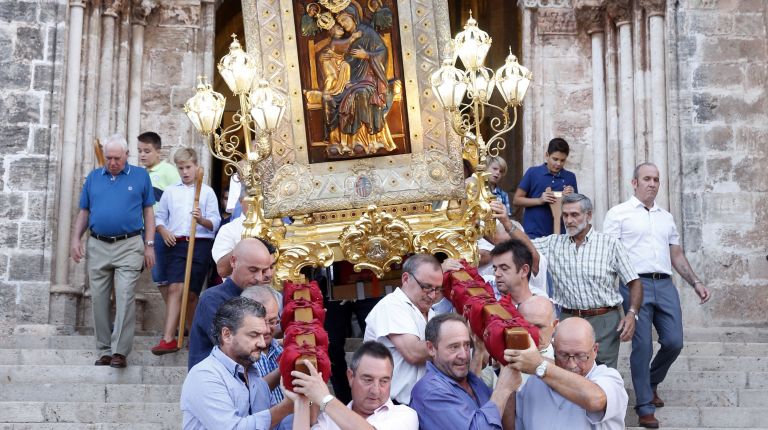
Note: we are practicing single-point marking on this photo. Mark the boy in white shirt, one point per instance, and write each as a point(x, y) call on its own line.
point(174, 224)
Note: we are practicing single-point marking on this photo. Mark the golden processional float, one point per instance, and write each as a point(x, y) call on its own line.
point(354, 121)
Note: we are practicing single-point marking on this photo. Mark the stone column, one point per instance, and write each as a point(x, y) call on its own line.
point(108, 20)
point(655, 12)
point(64, 298)
point(527, 109)
point(140, 9)
point(621, 13)
point(592, 18)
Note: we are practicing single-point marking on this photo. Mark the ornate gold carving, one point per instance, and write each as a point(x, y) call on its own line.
point(451, 242)
point(295, 258)
point(352, 214)
point(335, 6)
point(376, 241)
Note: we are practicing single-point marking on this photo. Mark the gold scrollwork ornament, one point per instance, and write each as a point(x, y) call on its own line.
point(452, 243)
point(295, 258)
point(376, 241)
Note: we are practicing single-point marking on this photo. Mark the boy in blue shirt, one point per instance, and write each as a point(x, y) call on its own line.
point(538, 186)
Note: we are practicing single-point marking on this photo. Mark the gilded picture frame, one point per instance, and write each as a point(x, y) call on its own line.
point(293, 183)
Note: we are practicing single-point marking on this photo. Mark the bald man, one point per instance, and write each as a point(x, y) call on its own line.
point(574, 391)
point(251, 265)
point(539, 311)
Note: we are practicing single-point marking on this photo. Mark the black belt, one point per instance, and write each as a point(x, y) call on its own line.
point(113, 239)
point(653, 275)
point(590, 312)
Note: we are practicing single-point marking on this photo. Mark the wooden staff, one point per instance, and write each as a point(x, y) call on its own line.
point(557, 210)
point(99, 151)
point(190, 253)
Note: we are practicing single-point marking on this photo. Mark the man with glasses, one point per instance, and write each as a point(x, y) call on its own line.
point(398, 321)
point(574, 392)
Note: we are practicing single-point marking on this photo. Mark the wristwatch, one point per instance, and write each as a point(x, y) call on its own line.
point(150, 243)
point(541, 370)
point(324, 402)
point(634, 312)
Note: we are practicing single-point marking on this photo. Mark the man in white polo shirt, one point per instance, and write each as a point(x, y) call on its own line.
point(398, 321)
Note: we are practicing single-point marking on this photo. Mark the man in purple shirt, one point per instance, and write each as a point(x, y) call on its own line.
point(449, 396)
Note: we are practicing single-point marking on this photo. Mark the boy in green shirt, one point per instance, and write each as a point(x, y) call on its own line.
point(162, 175)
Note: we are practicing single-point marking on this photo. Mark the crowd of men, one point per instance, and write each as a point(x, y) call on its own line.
point(419, 366)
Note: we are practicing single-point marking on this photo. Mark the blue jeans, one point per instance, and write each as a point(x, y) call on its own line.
point(660, 309)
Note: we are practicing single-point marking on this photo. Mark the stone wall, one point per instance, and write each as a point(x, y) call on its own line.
point(31, 64)
point(723, 111)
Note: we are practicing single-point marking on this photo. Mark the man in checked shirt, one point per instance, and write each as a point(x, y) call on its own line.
point(584, 265)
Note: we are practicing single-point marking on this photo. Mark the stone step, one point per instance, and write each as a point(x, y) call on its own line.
point(162, 415)
point(712, 397)
point(92, 374)
point(726, 334)
point(706, 417)
point(27, 341)
point(93, 393)
point(86, 357)
point(83, 426)
point(712, 363)
point(741, 349)
point(681, 380)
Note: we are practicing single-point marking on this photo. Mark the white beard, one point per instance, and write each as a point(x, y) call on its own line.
point(573, 231)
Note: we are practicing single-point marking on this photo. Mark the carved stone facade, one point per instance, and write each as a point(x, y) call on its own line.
point(697, 87)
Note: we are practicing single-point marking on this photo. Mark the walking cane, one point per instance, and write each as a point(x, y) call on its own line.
point(190, 253)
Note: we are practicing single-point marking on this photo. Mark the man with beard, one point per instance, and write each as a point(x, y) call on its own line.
point(584, 265)
point(575, 392)
point(653, 244)
point(449, 396)
point(224, 391)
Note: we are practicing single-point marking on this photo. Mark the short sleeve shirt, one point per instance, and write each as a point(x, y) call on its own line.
point(116, 203)
point(396, 314)
point(386, 417)
point(540, 407)
point(162, 174)
point(537, 220)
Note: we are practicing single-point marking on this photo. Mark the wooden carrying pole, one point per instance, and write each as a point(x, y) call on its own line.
point(99, 151)
point(557, 211)
point(190, 253)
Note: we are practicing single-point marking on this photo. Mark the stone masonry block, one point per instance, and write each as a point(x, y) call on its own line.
point(27, 267)
point(709, 138)
point(710, 23)
point(51, 12)
point(14, 138)
point(7, 295)
point(718, 75)
point(28, 173)
point(728, 208)
point(727, 5)
point(11, 206)
point(20, 108)
point(43, 77)
point(758, 266)
point(36, 204)
point(719, 169)
point(29, 44)
point(757, 75)
point(704, 106)
point(15, 10)
point(33, 303)
point(9, 235)
point(729, 49)
point(14, 76)
point(745, 173)
point(752, 139)
point(32, 235)
point(41, 140)
point(732, 109)
point(749, 24)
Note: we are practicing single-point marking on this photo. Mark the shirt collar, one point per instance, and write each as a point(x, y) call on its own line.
point(548, 172)
point(383, 408)
point(636, 203)
point(232, 367)
point(126, 170)
point(470, 377)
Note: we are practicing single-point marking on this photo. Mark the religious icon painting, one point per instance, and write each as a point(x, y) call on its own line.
point(363, 126)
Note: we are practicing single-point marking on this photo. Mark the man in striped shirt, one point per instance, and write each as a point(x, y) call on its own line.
point(584, 265)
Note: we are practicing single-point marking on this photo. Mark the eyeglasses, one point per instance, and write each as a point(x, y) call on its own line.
point(427, 289)
point(583, 357)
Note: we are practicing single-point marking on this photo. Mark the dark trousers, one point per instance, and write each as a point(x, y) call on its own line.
point(338, 324)
point(660, 309)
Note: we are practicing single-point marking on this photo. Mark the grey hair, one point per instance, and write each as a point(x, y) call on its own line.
point(415, 261)
point(372, 349)
point(116, 139)
point(636, 173)
point(259, 293)
point(584, 201)
point(231, 314)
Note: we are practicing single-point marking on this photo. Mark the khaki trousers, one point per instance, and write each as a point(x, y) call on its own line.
point(121, 263)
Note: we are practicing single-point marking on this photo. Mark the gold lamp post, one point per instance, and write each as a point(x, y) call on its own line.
point(260, 113)
point(466, 95)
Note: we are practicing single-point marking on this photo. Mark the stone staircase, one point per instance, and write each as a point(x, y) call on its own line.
point(720, 381)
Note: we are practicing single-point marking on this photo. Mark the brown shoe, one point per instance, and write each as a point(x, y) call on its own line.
point(657, 400)
point(648, 421)
point(105, 360)
point(118, 361)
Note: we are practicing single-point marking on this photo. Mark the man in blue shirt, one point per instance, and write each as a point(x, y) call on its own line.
point(116, 206)
point(538, 187)
point(224, 391)
point(449, 396)
point(251, 265)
